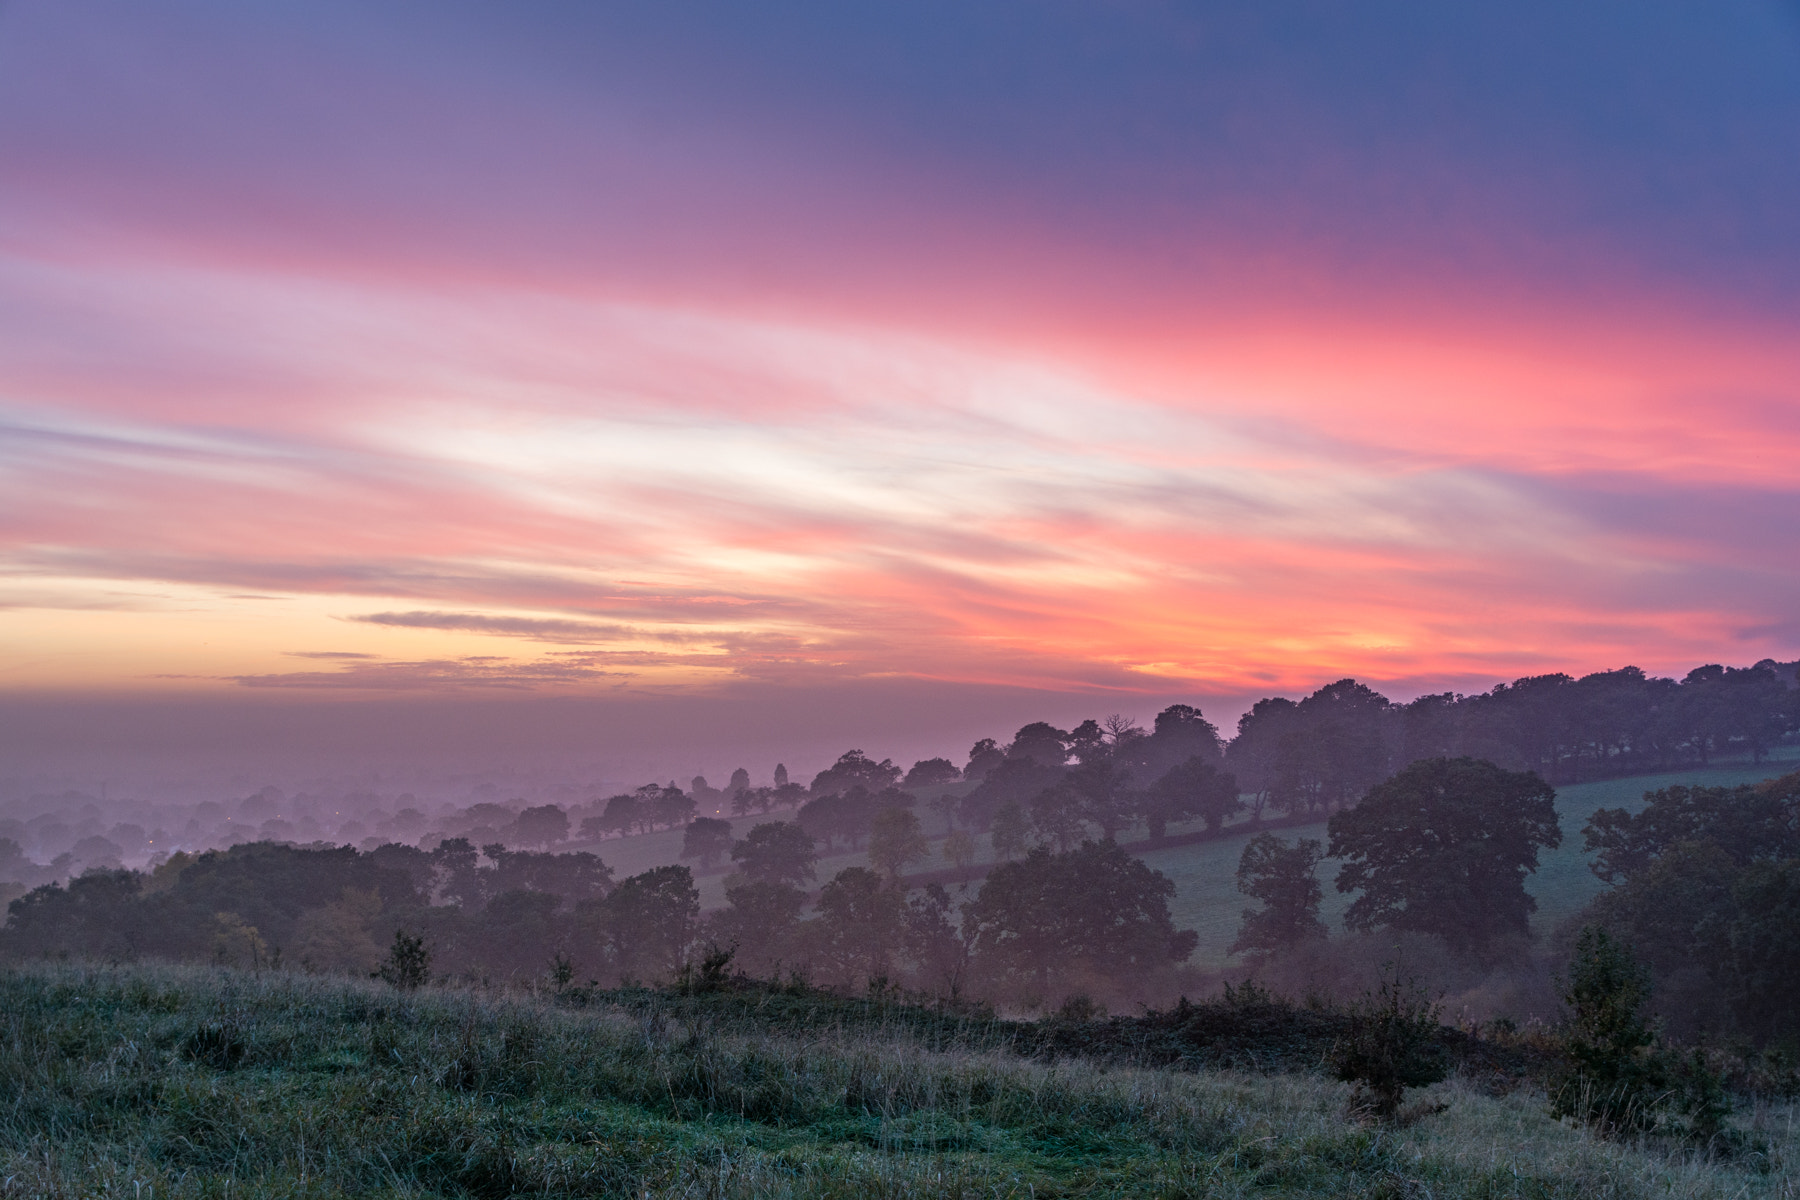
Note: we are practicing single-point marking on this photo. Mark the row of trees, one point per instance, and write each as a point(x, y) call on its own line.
point(1441, 848)
point(1092, 919)
point(1705, 883)
point(1316, 755)
point(1323, 752)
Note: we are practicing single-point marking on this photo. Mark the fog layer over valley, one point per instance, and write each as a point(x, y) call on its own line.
point(1110, 863)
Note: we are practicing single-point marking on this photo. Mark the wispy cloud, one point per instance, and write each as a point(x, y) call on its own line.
point(483, 672)
point(775, 394)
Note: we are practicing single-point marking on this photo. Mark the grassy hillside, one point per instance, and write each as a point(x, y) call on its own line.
point(1207, 899)
point(164, 1082)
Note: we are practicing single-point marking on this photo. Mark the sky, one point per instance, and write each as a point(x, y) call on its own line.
point(897, 365)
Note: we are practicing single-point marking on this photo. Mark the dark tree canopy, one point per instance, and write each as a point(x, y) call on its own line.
point(1708, 897)
point(1195, 788)
point(984, 756)
point(862, 926)
point(1285, 879)
point(707, 839)
point(776, 852)
point(855, 769)
point(931, 772)
point(1041, 742)
point(1015, 781)
point(543, 826)
point(758, 924)
point(1093, 913)
point(895, 841)
point(647, 923)
point(1443, 847)
point(573, 877)
point(1749, 822)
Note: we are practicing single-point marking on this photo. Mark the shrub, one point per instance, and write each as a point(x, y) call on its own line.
point(408, 964)
point(1612, 1077)
point(1391, 1043)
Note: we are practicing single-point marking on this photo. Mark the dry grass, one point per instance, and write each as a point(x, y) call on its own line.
point(178, 1082)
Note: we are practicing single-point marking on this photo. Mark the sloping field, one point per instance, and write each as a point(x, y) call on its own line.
point(1207, 899)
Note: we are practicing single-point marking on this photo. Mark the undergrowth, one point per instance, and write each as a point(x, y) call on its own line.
point(192, 1082)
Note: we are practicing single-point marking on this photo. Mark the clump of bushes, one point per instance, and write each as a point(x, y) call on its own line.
point(1616, 1075)
point(1391, 1043)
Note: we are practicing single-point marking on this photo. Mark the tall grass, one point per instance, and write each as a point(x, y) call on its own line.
point(177, 1082)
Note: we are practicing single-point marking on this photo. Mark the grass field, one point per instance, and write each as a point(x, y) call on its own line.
point(156, 1082)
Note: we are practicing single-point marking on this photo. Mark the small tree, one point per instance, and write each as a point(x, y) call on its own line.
point(408, 964)
point(895, 841)
point(1391, 1044)
point(1612, 1076)
point(1008, 832)
point(1285, 878)
point(1057, 816)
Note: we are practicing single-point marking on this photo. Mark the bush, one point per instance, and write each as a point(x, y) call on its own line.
point(1616, 1075)
point(1391, 1043)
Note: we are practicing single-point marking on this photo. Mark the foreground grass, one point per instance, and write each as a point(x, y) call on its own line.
point(176, 1082)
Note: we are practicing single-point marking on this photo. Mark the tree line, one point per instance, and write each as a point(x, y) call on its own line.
point(1704, 900)
point(1092, 919)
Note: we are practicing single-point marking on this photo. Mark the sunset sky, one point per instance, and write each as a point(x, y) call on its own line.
point(406, 352)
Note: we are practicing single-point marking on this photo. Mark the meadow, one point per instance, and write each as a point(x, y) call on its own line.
point(157, 1081)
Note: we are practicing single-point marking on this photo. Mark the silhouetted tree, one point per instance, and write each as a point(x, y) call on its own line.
point(1195, 788)
point(855, 769)
point(759, 922)
point(1058, 816)
point(543, 826)
point(1014, 781)
point(931, 772)
point(776, 852)
point(1284, 878)
point(1443, 847)
point(1103, 793)
point(895, 841)
point(672, 808)
point(933, 940)
point(707, 839)
point(569, 877)
point(984, 756)
point(1092, 915)
point(1040, 742)
point(862, 923)
point(1009, 832)
point(1747, 822)
point(647, 923)
point(623, 814)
